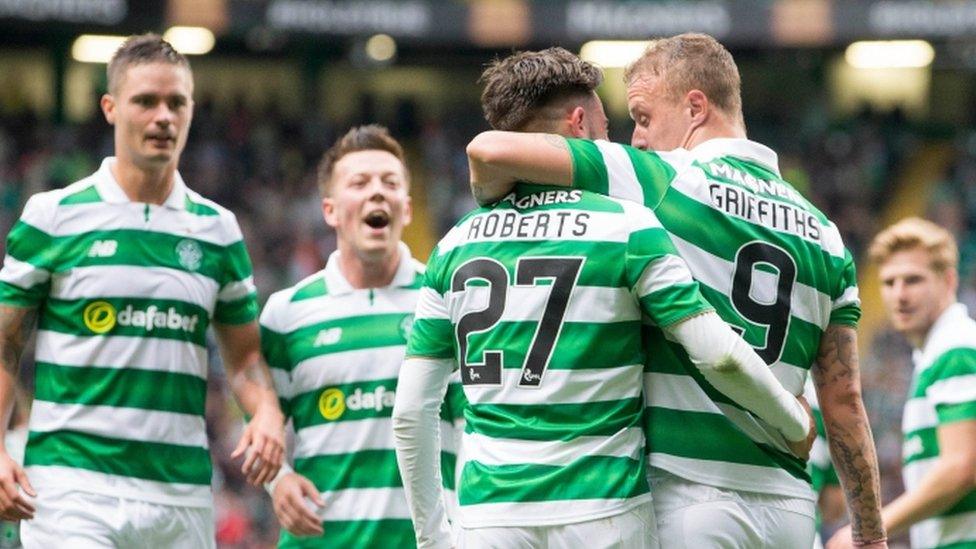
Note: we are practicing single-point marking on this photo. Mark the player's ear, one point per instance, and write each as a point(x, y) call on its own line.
point(407, 211)
point(108, 108)
point(698, 107)
point(328, 212)
point(576, 120)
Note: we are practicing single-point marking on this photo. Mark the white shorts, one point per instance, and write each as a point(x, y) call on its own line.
point(634, 529)
point(85, 520)
point(691, 515)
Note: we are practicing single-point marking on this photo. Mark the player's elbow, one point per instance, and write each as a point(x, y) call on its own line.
point(727, 365)
point(406, 419)
point(487, 148)
point(840, 399)
point(962, 471)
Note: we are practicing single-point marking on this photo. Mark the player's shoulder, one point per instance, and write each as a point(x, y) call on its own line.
point(197, 204)
point(955, 332)
point(41, 209)
point(636, 217)
point(218, 219)
point(275, 312)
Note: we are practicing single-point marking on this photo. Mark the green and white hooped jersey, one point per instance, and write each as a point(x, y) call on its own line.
point(335, 353)
point(125, 292)
point(539, 300)
point(773, 267)
point(943, 391)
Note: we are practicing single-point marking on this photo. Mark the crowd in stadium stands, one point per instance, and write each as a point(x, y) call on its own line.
point(261, 165)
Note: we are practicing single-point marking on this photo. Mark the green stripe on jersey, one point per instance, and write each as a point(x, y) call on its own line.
point(344, 402)
point(351, 333)
point(591, 477)
point(580, 345)
point(144, 389)
point(274, 347)
point(378, 534)
point(115, 456)
point(362, 469)
point(712, 437)
point(138, 317)
point(590, 172)
point(966, 505)
point(135, 248)
point(197, 208)
point(239, 311)
point(87, 195)
point(426, 339)
point(553, 421)
point(956, 362)
point(313, 289)
point(29, 244)
point(24, 297)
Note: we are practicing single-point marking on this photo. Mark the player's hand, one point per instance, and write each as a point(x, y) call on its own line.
point(843, 539)
point(801, 448)
point(290, 505)
point(264, 441)
point(13, 505)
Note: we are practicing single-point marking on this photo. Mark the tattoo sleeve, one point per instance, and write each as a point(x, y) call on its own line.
point(16, 324)
point(838, 383)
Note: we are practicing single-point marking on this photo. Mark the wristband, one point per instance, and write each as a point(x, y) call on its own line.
point(871, 542)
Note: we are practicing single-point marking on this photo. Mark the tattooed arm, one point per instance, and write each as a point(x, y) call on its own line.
point(16, 324)
point(837, 378)
point(250, 380)
point(498, 159)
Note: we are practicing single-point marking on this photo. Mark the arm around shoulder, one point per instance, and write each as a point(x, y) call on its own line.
point(497, 159)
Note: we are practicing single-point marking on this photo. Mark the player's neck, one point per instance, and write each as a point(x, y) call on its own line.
point(717, 128)
point(142, 185)
point(367, 270)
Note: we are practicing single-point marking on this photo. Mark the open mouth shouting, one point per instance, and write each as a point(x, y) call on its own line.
point(377, 219)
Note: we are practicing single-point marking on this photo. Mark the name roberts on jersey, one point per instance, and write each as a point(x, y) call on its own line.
point(509, 224)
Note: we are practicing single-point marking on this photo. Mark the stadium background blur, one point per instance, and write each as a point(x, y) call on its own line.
point(867, 142)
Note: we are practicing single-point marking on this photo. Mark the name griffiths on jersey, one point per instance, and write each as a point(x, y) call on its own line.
point(774, 214)
point(542, 225)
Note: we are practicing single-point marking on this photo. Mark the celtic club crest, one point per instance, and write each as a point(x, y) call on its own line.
point(189, 254)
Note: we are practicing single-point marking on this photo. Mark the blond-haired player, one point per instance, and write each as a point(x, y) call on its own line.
point(918, 263)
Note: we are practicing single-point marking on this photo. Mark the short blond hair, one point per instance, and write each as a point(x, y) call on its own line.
point(693, 61)
point(914, 233)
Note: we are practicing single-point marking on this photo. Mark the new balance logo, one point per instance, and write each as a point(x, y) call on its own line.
point(103, 248)
point(328, 336)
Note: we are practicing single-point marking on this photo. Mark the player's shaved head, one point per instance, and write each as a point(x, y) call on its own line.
point(692, 61)
point(530, 90)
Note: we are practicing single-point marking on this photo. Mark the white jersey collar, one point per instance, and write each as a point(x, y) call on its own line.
point(739, 148)
point(337, 283)
point(110, 191)
point(955, 313)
